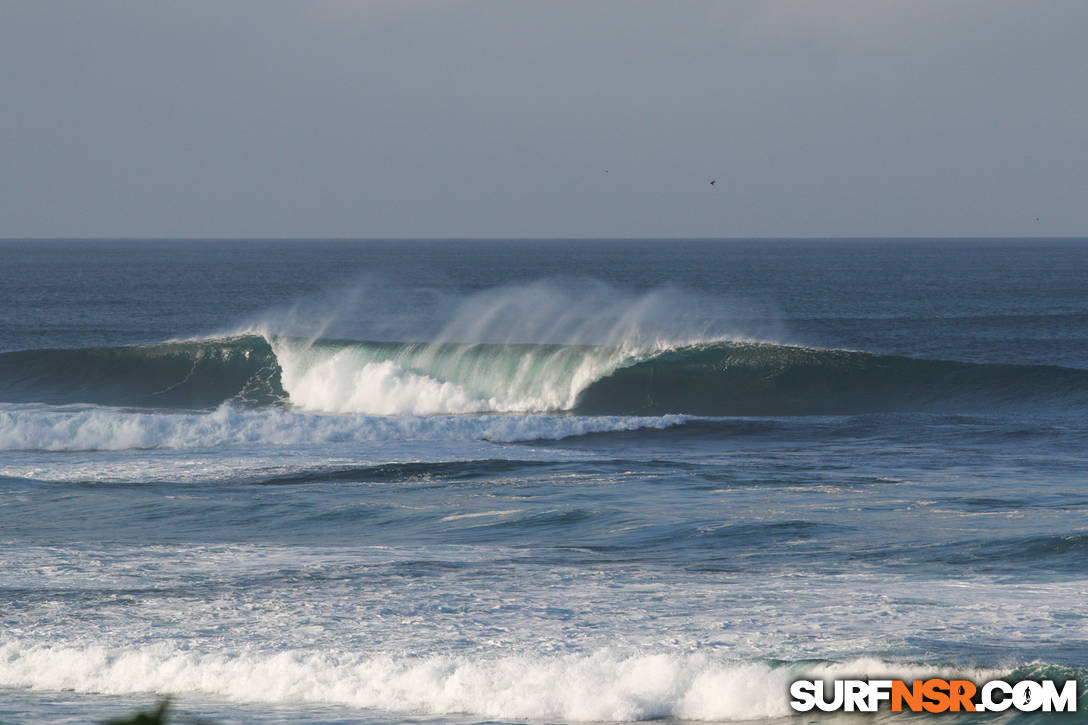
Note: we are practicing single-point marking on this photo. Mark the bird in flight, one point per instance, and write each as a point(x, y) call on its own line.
point(713, 181)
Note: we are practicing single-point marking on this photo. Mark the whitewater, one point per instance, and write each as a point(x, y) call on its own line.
point(378, 482)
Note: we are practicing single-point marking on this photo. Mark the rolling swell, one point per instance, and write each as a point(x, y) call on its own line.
point(387, 378)
point(191, 374)
point(763, 379)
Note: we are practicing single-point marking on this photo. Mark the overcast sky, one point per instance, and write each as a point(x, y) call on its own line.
point(496, 118)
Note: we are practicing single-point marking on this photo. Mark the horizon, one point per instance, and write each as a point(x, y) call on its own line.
point(500, 238)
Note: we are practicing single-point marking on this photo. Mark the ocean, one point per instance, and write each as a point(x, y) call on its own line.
point(441, 481)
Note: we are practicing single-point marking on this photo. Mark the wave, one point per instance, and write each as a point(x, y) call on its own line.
point(1058, 552)
point(722, 378)
point(761, 379)
point(598, 686)
point(31, 427)
point(428, 378)
point(186, 374)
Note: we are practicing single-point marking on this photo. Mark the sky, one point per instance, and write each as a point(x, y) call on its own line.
point(556, 118)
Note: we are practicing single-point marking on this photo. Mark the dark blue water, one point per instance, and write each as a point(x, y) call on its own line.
point(558, 480)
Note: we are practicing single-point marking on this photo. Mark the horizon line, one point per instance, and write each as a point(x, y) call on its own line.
point(182, 238)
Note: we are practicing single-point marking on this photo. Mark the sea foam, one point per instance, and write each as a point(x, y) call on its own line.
point(29, 427)
point(602, 685)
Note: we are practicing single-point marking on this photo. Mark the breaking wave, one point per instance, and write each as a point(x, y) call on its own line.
point(721, 378)
point(598, 686)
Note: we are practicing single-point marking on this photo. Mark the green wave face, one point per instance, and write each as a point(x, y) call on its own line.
point(191, 374)
point(388, 378)
point(765, 379)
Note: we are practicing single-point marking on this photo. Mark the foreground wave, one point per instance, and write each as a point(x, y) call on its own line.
point(382, 378)
point(598, 686)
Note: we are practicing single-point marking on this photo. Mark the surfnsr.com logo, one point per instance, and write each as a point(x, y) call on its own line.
point(933, 695)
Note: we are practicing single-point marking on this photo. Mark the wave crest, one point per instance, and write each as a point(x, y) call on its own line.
point(599, 686)
point(390, 378)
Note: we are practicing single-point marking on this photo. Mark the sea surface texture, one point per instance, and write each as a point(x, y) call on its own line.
point(558, 481)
